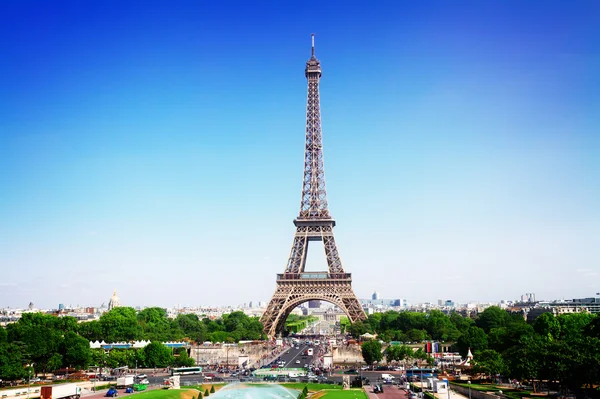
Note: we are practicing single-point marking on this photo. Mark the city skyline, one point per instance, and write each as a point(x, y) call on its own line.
point(158, 150)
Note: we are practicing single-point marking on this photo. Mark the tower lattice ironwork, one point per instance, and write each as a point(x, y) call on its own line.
point(314, 223)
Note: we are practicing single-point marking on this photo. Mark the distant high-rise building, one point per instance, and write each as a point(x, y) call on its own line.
point(375, 296)
point(61, 306)
point(528, 297)
point(440, 302)
point(31, 306)
point(250, 304)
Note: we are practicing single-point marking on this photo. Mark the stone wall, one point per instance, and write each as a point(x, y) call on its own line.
point(474, 393)
point(221, 355)
point(347, 354)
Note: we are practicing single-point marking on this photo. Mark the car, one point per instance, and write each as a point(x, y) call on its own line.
point(297, 361)
point(112, 392)
point(129, 390)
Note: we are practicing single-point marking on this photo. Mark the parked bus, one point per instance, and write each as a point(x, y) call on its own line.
point(418, 373)
point(186, 370)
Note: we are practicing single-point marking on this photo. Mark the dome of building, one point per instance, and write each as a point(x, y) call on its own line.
point(114, 301)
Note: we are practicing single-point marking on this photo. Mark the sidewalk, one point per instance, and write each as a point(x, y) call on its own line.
point(270, 358)
point(450, 395)
point(369, 391)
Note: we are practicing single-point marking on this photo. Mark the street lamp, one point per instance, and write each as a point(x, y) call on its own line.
point(96, 377)
point(227, 358)
point(469, 382)
point(28, 379)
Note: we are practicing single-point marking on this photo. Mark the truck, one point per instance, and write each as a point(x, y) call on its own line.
point(140, 387)
point(124, 382)
point(60, 391)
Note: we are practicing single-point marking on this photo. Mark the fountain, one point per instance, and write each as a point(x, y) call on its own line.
point(243, 391)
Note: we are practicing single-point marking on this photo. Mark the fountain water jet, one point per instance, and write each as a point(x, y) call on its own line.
point(242, 391)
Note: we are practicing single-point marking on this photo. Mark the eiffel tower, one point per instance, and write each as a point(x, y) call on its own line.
point(295, 286)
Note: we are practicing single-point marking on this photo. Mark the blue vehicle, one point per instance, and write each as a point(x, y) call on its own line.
point(129, 390)
point(112, 392)
point(421, 373)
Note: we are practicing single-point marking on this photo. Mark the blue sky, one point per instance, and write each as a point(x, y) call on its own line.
point(156, 148)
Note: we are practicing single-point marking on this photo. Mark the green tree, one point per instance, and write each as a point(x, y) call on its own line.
point(524, 360)
point(120, 324)
point(417, 335)
point(474, 338)
point(371, 351)
point(54, 362)
point(11, 362)
point(91, 330)
point(492, 317)
point(218, 336)
point(206, 393)
point(461, 323)
point(157, 355)
point(374, 320)
point(182, 359)
point(358, 328)
point(398, 353)
point(489, 362)
point(592, 329)
point(440, 327)
point(192, 327)
point(3, 335)
point(212, 389)
point(502, 338)
point(76, 351)
point(155, 324)
point(573, 325)
point(548, 326)
point(40, 336)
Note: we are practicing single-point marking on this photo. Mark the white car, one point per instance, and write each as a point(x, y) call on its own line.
point(297, 361)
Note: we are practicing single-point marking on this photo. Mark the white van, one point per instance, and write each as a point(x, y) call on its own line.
point(387, 378)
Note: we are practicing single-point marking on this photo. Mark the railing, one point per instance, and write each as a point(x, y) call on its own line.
point(314, 276)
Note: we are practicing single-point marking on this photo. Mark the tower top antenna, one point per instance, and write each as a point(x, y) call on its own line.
point(313, 44)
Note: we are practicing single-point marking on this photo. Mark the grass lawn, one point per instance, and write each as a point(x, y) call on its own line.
point(340, 394)
point(204, 387)
point(167, 394)
point(511, 393)
point(479, 387)
point(311, 386)
point(183, 393)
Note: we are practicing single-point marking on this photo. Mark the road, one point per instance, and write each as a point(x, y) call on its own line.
point(389, 392)
point(295, 356)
